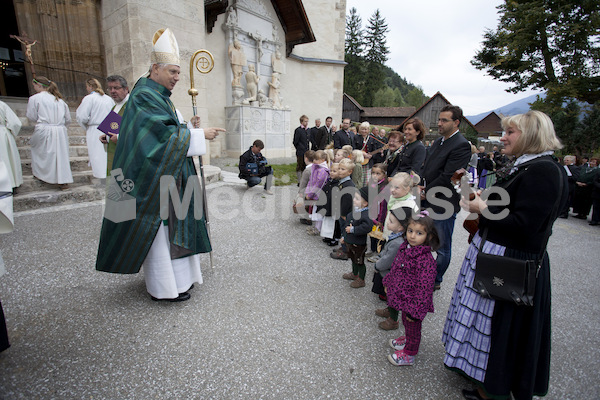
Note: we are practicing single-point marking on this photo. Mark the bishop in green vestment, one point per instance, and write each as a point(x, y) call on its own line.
point(152, 143)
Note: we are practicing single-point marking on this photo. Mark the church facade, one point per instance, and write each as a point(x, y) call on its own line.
point(295, 49)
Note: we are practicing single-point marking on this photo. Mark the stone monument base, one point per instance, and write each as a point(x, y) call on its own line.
point(246, 123)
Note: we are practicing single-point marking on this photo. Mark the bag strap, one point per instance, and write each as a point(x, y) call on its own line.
point(551, 219)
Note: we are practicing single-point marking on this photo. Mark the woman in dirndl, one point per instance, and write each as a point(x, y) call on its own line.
point(504, 348)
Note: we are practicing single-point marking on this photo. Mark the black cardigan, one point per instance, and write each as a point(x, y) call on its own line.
point(412, 157)
point(533, 192)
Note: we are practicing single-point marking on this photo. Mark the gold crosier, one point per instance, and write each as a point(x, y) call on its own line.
point(204, 65)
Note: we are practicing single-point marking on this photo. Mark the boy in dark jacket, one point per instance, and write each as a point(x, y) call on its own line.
point(342, 205)
point(354, 233)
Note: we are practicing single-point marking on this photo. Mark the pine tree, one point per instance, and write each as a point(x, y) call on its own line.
point(354, 34)
point(376, 48)
point(354, 73)
point(376, 55)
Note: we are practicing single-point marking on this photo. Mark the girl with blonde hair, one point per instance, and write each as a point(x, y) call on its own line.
point(49, 142)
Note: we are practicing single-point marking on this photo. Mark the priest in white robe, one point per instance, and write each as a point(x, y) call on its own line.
point(49, 142)
point(91, 112)
point(10, 125)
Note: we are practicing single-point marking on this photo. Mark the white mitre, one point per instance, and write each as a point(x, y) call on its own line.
point(165, 49)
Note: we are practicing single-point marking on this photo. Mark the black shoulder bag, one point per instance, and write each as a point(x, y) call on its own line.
point(510, 279)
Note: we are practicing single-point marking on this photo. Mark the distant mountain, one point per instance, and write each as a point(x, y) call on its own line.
point(516, 107)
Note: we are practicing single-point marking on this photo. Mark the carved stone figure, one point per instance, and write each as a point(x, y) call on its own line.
point(251, 83)
point(263, 100)
point(232, 19)
point(238, 61)
point(277, 63)
point(274, 90)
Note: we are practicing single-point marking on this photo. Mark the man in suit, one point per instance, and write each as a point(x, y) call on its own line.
point(343, 136)
point(301, 143)
point(313, 135)
point(448, 153)
point(572, 176)
point(324, 135)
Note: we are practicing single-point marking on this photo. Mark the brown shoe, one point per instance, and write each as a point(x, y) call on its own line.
point(357, 283)
point(389, 324)
point(383, 312)
point(350, 276)
point(339, 255)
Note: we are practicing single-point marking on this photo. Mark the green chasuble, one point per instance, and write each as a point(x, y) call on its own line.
point(151, 144)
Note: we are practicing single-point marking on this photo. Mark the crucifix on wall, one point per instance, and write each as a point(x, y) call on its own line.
point(28, 43)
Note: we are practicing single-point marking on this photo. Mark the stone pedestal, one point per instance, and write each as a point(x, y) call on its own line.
point(246, 123)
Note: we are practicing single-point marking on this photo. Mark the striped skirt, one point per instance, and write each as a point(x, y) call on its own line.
point(467, 331)
point(366, 175)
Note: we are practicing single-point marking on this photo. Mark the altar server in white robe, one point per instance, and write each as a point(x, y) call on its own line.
point(91, 112)
point(6, 226)
point(10, 125)
point(50, 141)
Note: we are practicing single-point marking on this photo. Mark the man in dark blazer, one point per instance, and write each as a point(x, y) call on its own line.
point(448, 153)
point(301, 143)
point(572, 176)
point(314, 135)
point(343, 136)
point(324, 135)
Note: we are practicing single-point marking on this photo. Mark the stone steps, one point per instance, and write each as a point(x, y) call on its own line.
point(80, 178)
point(76, 150)
point(33, 193)
point(77, 164)
point(55, 196)
point(23, 140)
point(72, 130)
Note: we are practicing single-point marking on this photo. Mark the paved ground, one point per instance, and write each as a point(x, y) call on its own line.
point(273, 319)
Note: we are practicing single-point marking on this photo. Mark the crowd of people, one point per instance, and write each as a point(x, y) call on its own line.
point(399, 211)
point(377, 197)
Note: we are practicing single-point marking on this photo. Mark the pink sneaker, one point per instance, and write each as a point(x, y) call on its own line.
point(398, 344)
point(400, 358)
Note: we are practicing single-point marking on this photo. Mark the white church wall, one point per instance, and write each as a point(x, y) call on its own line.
point(128, 28)
point(307, 87)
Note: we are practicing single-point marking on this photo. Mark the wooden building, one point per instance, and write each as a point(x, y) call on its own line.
point(390, 116)
point(489, 126)
point(429, 112)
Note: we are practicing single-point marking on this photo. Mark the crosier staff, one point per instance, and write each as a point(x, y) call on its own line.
point(204, 65)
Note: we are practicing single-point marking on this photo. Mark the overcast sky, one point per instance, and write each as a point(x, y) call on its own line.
point(431, 45)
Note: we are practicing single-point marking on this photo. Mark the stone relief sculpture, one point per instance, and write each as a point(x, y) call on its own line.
point(232, 19)
point(274, 86)
point(263, 100)
point(277, 63)
point(251, 84)
point(238, 61)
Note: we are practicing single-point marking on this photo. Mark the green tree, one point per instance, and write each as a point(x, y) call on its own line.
point(376, 52)
point(415, 97)
point(388, 97)
point(470, 134)
point(375, 38)
point(354, 73)
point(354, 34)
point(587, 134)
point(579, 136)
point(546, 44)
